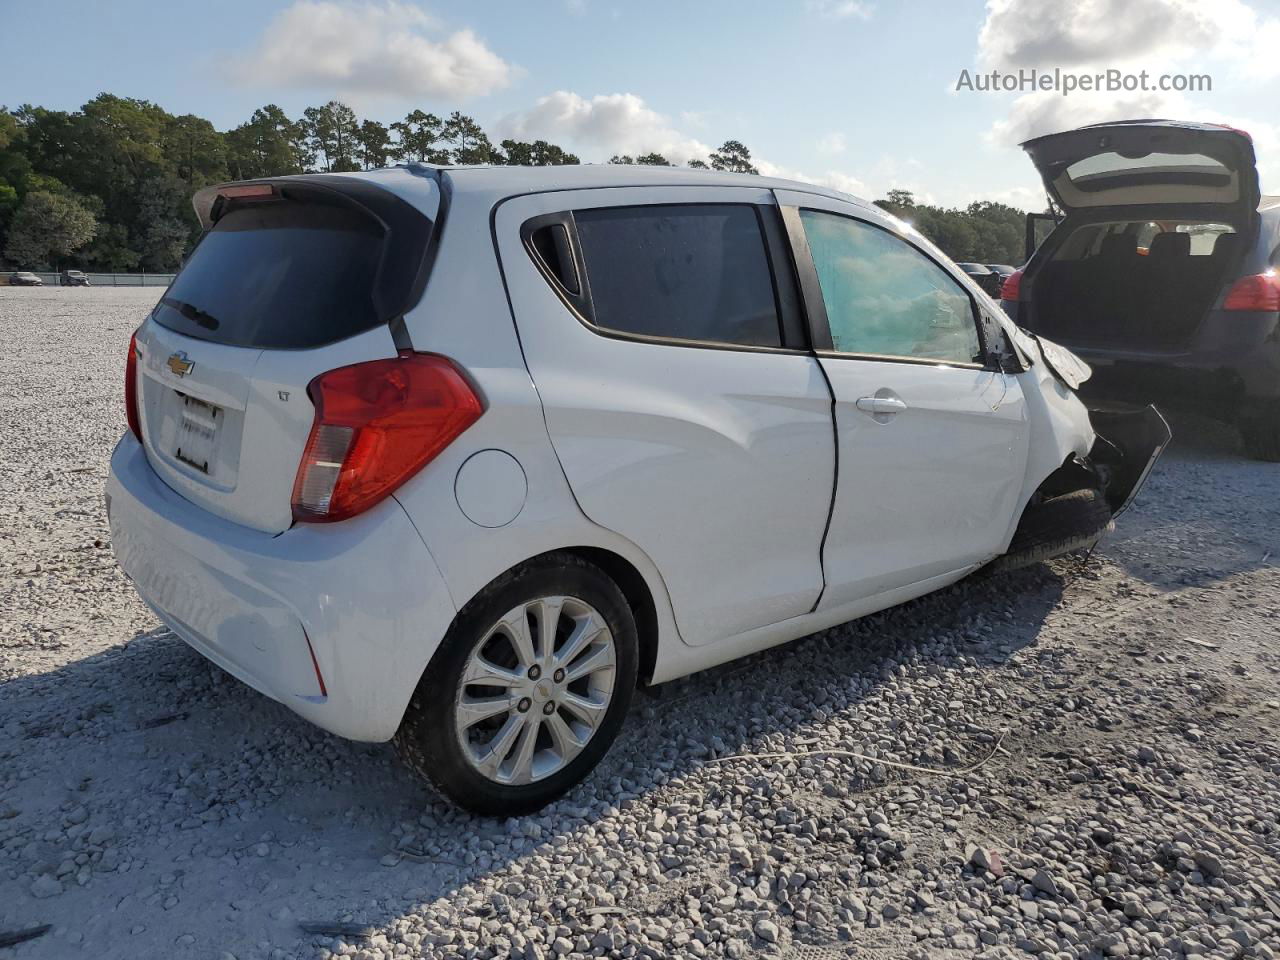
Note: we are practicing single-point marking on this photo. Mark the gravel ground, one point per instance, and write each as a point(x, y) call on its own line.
point(1104, 736)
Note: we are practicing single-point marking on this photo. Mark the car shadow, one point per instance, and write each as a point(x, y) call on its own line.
point(224, 801)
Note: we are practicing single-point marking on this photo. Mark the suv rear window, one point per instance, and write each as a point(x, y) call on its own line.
point(1104, 171)
point(686, 272)
point(280, 274)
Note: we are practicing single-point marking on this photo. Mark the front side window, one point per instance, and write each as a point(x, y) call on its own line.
point(687, 272)
point(884, 297)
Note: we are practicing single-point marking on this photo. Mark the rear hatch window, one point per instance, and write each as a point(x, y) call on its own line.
point(301, 268)
point(289, 283)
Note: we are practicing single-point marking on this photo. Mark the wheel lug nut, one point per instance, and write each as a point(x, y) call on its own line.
point(524, 704)
point(549, 707)
point(558, 676)
point(535, 672)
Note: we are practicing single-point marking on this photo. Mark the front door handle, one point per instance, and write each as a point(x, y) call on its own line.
point(881, 405)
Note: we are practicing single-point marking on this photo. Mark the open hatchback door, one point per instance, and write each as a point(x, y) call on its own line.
point(1150, 162)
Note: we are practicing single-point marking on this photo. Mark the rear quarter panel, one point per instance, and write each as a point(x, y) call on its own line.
point(464, 315)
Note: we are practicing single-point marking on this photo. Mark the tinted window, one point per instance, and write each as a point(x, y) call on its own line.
point(279, 274)
point(885, 297)
point(1171, 167)
point(688, 272)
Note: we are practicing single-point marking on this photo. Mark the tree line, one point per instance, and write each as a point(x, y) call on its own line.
point(982, 232)
point(108, 187)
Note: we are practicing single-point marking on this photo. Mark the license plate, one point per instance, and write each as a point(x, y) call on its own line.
point(198, 433)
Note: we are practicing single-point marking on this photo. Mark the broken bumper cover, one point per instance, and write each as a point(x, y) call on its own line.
point(1130, 441)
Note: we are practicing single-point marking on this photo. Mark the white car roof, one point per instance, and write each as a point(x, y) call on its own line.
point(497, 183)
point(515, 180)
point(493, 184)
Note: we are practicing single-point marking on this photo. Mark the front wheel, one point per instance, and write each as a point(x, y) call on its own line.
point(527, 691)
point(1054, 527)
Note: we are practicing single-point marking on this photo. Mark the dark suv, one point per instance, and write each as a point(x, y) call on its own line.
point(1160, 270)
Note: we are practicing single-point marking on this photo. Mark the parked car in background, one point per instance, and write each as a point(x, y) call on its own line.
point(73, 278)
point(984, 277)
point(597, 450)
point(1004, 271)
point(1162, 270)
point(24, 279)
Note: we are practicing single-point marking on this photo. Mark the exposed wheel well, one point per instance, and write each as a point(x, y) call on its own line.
point(634, 588)
point(1075, 473)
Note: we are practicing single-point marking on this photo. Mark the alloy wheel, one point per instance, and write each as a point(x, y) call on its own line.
point(535, 689)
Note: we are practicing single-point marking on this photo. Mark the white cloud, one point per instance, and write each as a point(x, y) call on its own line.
point(1035, 114)
point(374, 48)
point(834, 179)
point(1031, 199)
point(612, 123)
point(619, 123)
point(844, 182)
point(832, 144)
point(1117, 33)
point(1049, 33)
point(841, 9)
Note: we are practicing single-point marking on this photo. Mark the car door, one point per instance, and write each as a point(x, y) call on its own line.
point(662, 330)
point(932, 439)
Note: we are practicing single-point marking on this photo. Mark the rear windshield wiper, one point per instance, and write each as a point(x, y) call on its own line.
point(191, 312)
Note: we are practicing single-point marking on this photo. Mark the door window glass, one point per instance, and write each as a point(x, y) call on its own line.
point(687, 272)
point(886, 298)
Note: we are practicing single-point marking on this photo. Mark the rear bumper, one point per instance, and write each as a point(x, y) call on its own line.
point(360, 604)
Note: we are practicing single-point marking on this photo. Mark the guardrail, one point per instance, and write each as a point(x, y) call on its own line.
point(103, 279)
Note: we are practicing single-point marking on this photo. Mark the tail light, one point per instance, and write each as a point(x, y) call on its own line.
point(131, 389)
point(376, 425)
point(1261, 291)
point(1012, 286)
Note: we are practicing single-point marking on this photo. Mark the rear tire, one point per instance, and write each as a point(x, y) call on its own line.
point(551, 719)
point(1260, 431)
point(1056, 526)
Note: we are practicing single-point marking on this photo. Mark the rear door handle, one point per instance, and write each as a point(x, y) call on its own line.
point(881, 405)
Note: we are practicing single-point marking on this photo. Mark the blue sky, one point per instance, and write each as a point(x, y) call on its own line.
point(855, 93)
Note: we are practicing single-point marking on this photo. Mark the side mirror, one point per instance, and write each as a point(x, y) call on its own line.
point(1002, 355)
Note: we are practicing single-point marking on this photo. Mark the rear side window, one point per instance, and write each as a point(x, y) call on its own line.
point(279, 274)
point(685, 272)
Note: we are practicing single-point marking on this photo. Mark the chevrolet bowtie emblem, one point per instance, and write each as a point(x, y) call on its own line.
point(179, 363)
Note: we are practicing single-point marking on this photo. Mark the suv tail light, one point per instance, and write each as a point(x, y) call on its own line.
point(376, 425)
point(131, 389)
point(1261, 291)
point(1011, 286)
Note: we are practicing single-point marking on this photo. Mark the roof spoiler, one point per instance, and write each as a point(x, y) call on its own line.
point(208, 209)
point(209, 201)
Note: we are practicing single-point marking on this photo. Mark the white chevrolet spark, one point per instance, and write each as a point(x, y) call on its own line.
point(462, 456)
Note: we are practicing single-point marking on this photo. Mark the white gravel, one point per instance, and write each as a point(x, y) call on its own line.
point(1127, 711)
